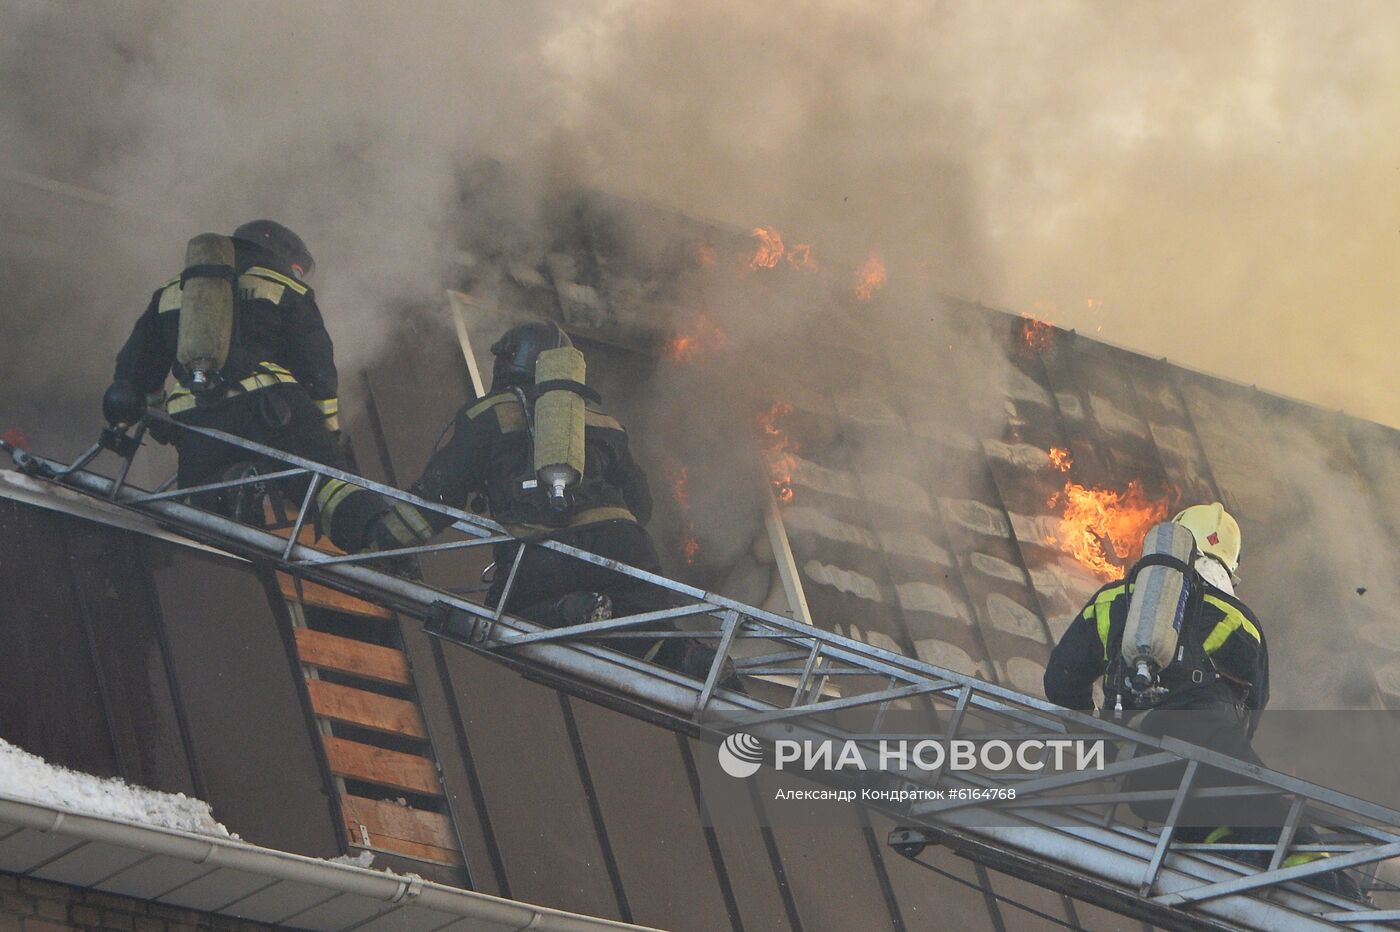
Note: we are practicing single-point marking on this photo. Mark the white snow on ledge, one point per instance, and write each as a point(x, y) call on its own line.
point(29, 777)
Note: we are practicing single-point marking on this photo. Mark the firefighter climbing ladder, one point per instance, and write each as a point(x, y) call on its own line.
point(1067, 831)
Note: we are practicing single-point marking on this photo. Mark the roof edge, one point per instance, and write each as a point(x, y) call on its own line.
point(19, 487)
point(395, 890)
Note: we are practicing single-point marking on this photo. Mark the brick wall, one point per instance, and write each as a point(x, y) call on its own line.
point(28, 905)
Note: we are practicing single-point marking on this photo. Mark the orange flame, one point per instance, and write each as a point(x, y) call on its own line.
point(870, 278)
point(779, 450)
point(770, 249)
point(800, 257)
point(1037, 327)
point(1037, 335)
point(705, 336)
point(1092, 516)
point(1060, 459)
point(678, 476)
point(681, 347)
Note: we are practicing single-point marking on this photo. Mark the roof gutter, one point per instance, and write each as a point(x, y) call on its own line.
point(395, 890)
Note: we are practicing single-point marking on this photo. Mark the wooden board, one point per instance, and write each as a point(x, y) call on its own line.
point(345, 655)
point(387, 826)
point(366, 709)
point(325, 597)
point(380, 766)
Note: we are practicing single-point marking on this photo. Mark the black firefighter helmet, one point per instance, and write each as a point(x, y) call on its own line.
point(281, 242)
point(519, 347)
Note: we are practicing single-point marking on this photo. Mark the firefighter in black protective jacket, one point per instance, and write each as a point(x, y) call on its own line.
point(278, 385)
point(1226, 660)
point(489, 455)
point(1211, 695)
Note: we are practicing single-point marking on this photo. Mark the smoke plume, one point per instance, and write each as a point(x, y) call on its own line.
point(1210, 183)
point(1199, 182)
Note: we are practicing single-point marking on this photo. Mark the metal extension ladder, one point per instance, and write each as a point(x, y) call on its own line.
point(1066, 831)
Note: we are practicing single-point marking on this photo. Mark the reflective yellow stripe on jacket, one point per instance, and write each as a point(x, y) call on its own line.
point(182, 400)
point(1233, 621)
point(510, 419)
point(407, 525)
point(264, 272)
point(508, 413)
point(254, 283)
point(589, 516)
point(1293, 860)
point(330, 410)
point(405, 522)
point(331, 495)
point(1101, 613)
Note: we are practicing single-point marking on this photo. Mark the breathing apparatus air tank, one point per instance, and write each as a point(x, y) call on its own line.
point(1157, 605)
point(206, 312)
point(559, 423)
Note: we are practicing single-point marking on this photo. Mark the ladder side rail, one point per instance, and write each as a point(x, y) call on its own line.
point(986, 696)
point(678, 693)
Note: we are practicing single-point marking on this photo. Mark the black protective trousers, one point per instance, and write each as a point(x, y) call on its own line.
point(280, 416)
point(546, 576)
point(1212, 719)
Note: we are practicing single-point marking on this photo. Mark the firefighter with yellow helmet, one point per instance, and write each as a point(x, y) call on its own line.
point(1172, 640)
point(1222, 658)
point(1206, 682)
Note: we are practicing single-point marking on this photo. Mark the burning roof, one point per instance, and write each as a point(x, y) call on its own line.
point(958, 480)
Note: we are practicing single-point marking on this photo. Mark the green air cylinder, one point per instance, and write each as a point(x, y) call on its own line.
point(1157, 605)
point(206, 311)
point(559, 423)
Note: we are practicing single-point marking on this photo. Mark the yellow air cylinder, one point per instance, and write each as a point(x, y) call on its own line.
point(559, 424)
point(206, 310)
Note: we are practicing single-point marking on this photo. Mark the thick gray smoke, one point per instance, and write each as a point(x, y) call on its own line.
point(1200, 182)
point(1204, 182)
point(346, 121)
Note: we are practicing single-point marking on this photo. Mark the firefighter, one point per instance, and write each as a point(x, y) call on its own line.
point(1211, 695)
point(490, 455)
point(1226, 662)
point(277, 382)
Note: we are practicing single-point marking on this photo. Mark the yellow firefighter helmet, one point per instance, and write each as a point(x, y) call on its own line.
point(1217, 533)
